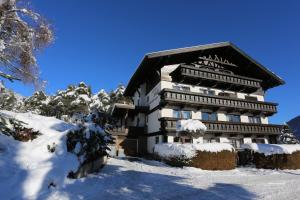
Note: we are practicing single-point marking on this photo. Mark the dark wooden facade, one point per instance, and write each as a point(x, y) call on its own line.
point(169, 125)
point(216, 103)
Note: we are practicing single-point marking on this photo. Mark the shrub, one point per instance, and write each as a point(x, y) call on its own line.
point(89, 140)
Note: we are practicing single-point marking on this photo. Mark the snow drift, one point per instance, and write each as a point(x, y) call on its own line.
point(29, 168)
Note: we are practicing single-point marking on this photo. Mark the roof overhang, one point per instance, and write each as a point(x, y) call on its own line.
point(156, 60)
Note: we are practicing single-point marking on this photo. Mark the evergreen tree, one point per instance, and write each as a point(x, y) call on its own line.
point(90, 139)
point(73, 100)
point(37, 103)
point(100, 102)
point(9, 100)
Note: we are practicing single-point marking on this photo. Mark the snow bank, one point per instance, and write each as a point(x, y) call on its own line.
point(190, 125)
point(270, 149)
point(189, 150)
point(29, 167)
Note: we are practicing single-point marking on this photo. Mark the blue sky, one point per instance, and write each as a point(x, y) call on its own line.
point(102, 42)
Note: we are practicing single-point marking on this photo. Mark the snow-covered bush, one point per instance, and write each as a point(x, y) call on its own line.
point(183, 154)
point(271, 149)
point(90, 139)
point(15, 128)
point(191, 126)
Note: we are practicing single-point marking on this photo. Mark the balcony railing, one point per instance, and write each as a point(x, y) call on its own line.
point(131, 131)
point(119, 131)
point(196, 75)
point(169, 125)
point(218, 102)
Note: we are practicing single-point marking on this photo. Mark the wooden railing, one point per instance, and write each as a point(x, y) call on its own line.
point(201, 73)
point(192, 98)
point(119, 131)
point(169, 125)
point(131, 130)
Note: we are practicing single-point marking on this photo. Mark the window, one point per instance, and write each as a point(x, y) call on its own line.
point(186, 114)
point(226, 94)
point(258, 140)
point(254, 120)
point(236, 143)
point(176, 114)
point(209, 116)
point(211, 140)
point(176, 139)
point(183, 88)
point(156, 139)
point(233, 118)
point(187, 140)
point(208, 92)
point(182, 114)
point(251, 98)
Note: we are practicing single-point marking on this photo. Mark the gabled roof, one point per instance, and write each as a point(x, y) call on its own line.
point(156, 60)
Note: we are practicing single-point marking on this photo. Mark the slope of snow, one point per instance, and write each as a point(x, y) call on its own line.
point(269, 149)
point(189, 150)
point(27, 168)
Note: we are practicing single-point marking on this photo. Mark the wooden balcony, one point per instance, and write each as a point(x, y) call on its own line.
point(215, 102)
point(204, 77)
point(122, 131)
point(130, 131)
point(169, 125)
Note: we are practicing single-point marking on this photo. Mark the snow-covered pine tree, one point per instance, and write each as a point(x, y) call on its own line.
point(100, 101)
point(74, 100)
point(37, 103)
point(9, 100)
point(287, 137)
point(90, 139)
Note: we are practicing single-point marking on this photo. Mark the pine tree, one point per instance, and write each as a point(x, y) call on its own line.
point(287, 137)
point(9, 100)
point(90, 139)
point(37, 103)
point(72, 101)
point(100, 102)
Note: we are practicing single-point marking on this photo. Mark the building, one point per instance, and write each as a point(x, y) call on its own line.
point(217, 84)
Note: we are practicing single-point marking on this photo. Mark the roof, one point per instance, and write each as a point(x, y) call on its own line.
point(156, 60)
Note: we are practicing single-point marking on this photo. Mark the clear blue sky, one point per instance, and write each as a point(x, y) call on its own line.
point(102, 42)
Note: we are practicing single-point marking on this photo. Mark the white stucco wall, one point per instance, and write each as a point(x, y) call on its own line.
point(153, 122)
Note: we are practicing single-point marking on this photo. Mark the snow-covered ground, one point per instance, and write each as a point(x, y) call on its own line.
point(26, 169)
point(123, 179)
